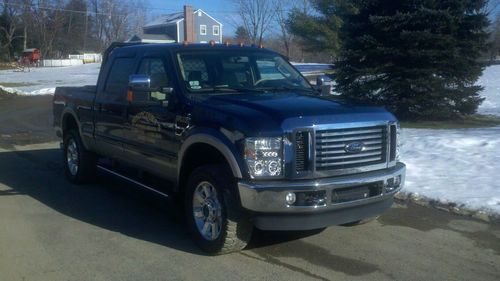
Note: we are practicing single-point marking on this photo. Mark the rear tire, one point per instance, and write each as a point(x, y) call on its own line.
point(79, 164)
point(214, 217)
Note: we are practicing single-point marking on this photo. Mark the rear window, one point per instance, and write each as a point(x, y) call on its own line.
point(121, 69)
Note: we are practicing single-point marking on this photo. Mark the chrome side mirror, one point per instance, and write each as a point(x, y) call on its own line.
point(324, 85)
point(139, 82)
point(323, 80)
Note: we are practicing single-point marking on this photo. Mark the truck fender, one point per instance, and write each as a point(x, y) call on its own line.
point(217, 143)
point(68, 111)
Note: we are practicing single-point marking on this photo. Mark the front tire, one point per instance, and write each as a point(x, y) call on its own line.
point(79, 164)
point(215, 220)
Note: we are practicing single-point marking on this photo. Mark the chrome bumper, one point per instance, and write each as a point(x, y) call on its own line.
point(269, 197)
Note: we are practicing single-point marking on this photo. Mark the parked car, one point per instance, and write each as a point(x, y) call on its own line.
point(237, 133)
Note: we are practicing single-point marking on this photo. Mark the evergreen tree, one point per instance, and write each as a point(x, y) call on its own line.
point(417, 57)
point(319, 31)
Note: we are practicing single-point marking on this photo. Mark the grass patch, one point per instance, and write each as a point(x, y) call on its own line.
point(472, 121)
point(16, 84)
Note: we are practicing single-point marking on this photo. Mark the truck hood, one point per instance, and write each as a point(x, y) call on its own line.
point(274, 113)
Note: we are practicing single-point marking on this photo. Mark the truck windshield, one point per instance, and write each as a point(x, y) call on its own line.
point(221, 72)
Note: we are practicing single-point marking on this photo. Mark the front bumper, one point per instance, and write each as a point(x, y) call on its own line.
point(267, 199)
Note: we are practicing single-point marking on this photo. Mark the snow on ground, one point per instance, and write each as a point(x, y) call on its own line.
point(451, 166)
point(460, 166)
point(43, 80)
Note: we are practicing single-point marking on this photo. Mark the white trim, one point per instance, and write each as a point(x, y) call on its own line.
point(178, 33)
point(220, 33)
point(157, 41)
point(214, 28)
point(208, 16)
point(205, 26)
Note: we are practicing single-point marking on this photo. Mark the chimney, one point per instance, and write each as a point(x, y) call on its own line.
point(188, 24)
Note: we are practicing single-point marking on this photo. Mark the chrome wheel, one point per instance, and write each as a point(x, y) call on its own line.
point(72, 157)
point(207, 211)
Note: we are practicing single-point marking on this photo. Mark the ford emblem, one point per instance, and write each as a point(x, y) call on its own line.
point(354, 147)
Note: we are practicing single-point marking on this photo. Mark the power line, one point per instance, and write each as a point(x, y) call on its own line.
point(52, 8)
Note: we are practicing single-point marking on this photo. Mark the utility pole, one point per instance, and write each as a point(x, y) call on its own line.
point(85, 33)
point(25, 37)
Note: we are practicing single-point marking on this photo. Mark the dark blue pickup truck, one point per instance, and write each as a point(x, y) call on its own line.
point(235, 134)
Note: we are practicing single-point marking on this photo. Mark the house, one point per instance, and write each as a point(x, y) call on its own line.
point(192, 26)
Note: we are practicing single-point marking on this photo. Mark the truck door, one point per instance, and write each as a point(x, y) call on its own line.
point(110, 107)
point(150, 140)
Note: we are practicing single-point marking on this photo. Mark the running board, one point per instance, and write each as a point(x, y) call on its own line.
point(132, 181)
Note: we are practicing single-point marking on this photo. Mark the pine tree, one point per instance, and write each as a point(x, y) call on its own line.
point(417, 57)
point(319, 31)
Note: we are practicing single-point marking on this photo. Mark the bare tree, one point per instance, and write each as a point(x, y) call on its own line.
point(47, 23)
point(11, 12)
point(256, 16)
point(282, 19)
point(139, 17)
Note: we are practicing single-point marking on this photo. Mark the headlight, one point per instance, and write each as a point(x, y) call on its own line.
point(264, 157)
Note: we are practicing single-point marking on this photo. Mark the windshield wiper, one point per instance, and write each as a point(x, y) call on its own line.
point(286, 88)
point(238, 90)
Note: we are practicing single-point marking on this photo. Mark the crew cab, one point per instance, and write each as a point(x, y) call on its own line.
point(235, 134)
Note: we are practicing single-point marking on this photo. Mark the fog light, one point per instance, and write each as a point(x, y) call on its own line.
point(397, 181)
point(290, 198)
point(392, 184)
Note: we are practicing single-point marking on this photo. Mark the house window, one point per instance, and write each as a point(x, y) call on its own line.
point(215, 30)
point(203, 29)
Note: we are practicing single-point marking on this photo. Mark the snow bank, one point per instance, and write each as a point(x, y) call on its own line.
point(459, 166)
point(490, 80)
point(43, 80)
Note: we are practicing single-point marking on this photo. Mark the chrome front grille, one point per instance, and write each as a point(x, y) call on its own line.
point(332, 152)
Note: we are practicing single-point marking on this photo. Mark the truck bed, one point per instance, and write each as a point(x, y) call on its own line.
point(77, 99)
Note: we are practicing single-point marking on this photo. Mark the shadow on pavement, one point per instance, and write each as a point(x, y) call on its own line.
point(109, 203)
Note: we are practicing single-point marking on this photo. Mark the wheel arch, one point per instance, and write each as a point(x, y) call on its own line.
point(214, 149)
point(69, 121)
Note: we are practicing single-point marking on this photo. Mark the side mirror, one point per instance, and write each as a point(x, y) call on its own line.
point(323, 80)
point(139, 83)
point(324, 85)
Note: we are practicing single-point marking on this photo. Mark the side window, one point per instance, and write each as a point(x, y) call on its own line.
point(215, 30)
point(194, 71)
point(155, 68)
point(117, 82)
point(203, 29)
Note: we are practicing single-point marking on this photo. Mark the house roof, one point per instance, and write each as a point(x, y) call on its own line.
point(151, 38)
point(173, 18)
point(166, 19)
point(31, 50)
